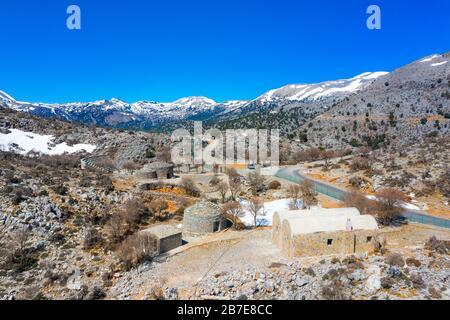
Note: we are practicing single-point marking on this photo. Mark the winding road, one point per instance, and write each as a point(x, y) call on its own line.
point(292, 174)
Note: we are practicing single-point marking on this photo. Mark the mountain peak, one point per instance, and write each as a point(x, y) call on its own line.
point(194, 100)
point(301, 92)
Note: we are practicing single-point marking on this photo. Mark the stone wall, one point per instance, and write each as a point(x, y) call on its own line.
point(162, 174)
point(169, 243)
point(97, 163)
point(327, 243)
point(199, 224)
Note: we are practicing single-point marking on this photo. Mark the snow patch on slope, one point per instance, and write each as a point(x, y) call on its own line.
point(22, 142)
point(302, 92)
point(431, 58)
point(438, 64)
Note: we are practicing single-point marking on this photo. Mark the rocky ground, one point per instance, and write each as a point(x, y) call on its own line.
point(420, 171)
point(61, 238)
point(221, 272)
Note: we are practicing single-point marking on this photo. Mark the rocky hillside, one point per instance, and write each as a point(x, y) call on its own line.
point(21, 132)
point(403, 106)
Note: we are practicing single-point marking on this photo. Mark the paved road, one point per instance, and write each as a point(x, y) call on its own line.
point(292, 174)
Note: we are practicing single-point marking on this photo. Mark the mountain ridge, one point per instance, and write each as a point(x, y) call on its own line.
point(145, 115)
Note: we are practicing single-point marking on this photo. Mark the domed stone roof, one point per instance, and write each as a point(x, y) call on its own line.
point(204, 209)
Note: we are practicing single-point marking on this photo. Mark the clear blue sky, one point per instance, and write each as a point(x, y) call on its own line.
point(224, 49)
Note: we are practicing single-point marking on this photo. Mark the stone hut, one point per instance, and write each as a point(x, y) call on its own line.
point(168, 237)
point(279, 217)
point(157, 170)
point(324, 235)
point(203, 218)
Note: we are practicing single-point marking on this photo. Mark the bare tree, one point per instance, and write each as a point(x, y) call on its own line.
point(223, 189)
point(21, 238)
point(355, 199)
point(256, 181)
point(326, 155)
point(255, 206)
point(189, 185)
point(117, 226)
point(19, 256)
point(308, 194)
point(234, 182)
point(294, 195)
point(389, 205)
point(233, 209)
point(137, 249)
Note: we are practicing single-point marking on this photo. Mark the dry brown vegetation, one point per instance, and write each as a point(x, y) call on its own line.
point(136, 249)
point(189, 185)
point(234, 210)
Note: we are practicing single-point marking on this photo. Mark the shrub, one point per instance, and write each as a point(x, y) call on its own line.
point(18, 198)
point(60, 189)
point(92, 238)
point(131, 166)
point(256, 182)
point(137, 249)
point(413, 262)
point(444, 183)
point(274, 185)
point(57, 237)
point(135, 212)
point(20, 257)
point(157, 207)
point(333, 291)
point(388, 205)
point(117, 226)
point(105, 182)
point(190, 187)
point(395, 259)
point(357, 200)
point(96, 293)
point(359, 164)
point(439, 246)
point(214, 181)
point(308, 194)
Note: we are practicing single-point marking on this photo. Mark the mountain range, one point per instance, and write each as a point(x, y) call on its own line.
point(152, 115)
point(328, 113)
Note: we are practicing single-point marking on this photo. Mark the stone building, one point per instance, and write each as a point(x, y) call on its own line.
point(324, 233)
point(168, 237)
point(279, 217)
point(203, 218)
point(157, 170)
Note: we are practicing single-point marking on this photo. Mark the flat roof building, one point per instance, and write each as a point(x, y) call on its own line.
point(168, 237)
point(324, 232)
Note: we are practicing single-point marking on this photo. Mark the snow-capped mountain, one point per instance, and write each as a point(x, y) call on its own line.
point(303, 92)
point(144, 115)
point(408, 104)
point(309, 99)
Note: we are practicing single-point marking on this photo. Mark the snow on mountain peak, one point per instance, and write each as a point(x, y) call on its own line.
point(6, 97)
point(300, 92)
point(194, 102)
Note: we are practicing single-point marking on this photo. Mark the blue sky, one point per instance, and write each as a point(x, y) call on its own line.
point(224, 49)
